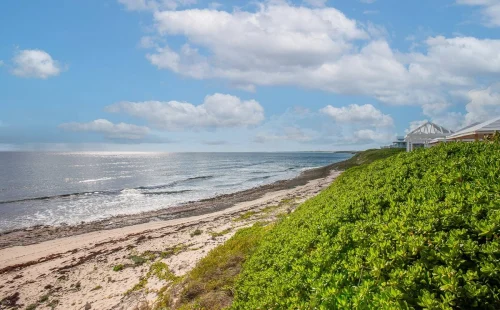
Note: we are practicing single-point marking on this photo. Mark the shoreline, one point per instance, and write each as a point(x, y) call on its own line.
point(71, 272)
point(38, 234)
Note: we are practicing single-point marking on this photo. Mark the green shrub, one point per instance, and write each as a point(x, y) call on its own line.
point(138, 260)
point(197, 232)
point(245, 216)
point(118, 267)
point(418, 230)
point(221, 233)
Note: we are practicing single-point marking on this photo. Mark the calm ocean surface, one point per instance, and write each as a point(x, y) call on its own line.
point(56, 188)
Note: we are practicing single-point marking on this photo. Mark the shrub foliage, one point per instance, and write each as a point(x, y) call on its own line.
point(417, 230)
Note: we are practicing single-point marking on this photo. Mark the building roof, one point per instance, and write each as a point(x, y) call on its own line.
point(427, 132)
point(488, 126)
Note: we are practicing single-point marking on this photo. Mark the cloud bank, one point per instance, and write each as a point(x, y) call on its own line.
point(319, 48)
point(216, 111)
point(109, 129)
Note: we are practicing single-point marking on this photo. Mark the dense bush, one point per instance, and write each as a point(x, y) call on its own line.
point(417, 230)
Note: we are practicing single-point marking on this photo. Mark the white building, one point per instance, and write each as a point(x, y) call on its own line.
point(424, 134)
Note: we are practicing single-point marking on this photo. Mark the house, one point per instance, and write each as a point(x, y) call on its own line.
point(400, 143)
point(476, 132)
point(424, 134)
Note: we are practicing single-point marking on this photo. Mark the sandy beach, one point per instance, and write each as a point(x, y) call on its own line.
point(76, 267)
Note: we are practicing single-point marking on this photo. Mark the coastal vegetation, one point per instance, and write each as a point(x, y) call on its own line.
point(210, 285)
point(417, 230)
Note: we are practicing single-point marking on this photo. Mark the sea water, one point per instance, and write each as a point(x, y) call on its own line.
point(48, 188)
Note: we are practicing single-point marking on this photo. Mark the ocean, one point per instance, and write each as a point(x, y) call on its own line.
point(48, 188)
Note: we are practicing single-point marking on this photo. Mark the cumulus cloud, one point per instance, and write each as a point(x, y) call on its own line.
point(318, 48)
point(35, 64)
point(109, 129)
point(490, 9)
point(368, 135)
point(274, 35)
point(366, 114)
point(217, 110)
point(484, 104)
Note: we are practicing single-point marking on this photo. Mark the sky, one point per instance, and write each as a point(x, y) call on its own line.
point(195, 75)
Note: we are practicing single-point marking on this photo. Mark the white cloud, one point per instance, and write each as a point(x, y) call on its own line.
point(366, 114)
point(483, 105)
point(109, 129)
point(1, 63)
point(281, 44)
point(35, 64)
point(153, 5)
point(217, 110)
point(490, 9)
point(271, 46)
point(274, 35)
point(320, 48)
point(368, 135)
point(188, 62)
point(460, 58)
point(148, 42)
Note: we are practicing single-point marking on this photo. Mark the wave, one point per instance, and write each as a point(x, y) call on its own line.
point(203, 177)
point(58, 196)
point(167, 192)
point(174, 183)
point(259, 178)
point(97, 180)
point(145, 190)
point(276, 171)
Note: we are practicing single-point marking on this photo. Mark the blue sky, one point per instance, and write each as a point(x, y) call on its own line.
point(193, 75)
